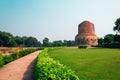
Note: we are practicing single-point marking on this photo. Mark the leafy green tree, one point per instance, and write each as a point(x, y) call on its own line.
point(109, 38)
point(100, 41)
point(46, 42)
point(57, 43)
point(31, 42)
point(117, 26)
point(18, 40)
point(64, 42)
point(7, 39)
point(70, 43)
point(117, 38)
point(12, 43)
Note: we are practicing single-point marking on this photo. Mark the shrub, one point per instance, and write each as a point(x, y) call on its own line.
point(1, 60)
point(8, 58)
point(13, 56)
point(27, 51)
point(82, 46)
point(48, 69)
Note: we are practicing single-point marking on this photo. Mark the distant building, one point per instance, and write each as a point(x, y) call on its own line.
point(86, 34)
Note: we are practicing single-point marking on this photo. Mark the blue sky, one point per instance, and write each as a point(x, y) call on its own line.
point(57, 19)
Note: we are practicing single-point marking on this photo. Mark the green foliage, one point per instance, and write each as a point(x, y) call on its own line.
point(26, 51)
point(8, 58)
point(82, 46)
point(109, 41)
point(109, 38)
point(57, 43)
point(18, 40)
point(13, 56)
point(117, 38)
point(100, 41)
point(1, 60)
point(91, 63)
point(117, 26)
point(48, 69)
point(110, 45)
point(46, 42)
point(31, 42)
point(7, 39)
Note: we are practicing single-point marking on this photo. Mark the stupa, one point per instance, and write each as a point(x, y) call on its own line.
point(86, 34)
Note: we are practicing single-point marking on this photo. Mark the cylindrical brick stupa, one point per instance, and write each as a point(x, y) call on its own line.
point(86, 34)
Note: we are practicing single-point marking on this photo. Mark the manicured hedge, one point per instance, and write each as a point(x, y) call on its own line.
point(48, 69)
point(1, 60)
point(82, 46)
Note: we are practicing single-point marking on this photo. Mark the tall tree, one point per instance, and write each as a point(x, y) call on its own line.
point(18, 40)
point(100, 41)
point(46, 42)
point(7, 39)
point(64, 42)
point(31, 42)
point(117, 38)
point(109, 38)
point(57, 43)
point(70, 43)
point(117, 26)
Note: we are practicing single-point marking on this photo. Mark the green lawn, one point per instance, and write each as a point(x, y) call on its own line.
point(90, 64)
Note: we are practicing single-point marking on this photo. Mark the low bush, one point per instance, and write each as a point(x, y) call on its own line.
point(14, 56)
point(82, 46)
point(27, 51)
point(1, 60)
point(8, 58)
point(48, 69)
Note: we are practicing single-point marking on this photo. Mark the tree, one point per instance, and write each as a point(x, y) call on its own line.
point(117, 38)
point(46, 42)
point(117, 26)
point(57, 43)
point(109, 38)
point(12, 43)
point(7, 39)
point(18, 40)
point(100, 41)
point(31, 42)
point(64, 42)
point(70, 43)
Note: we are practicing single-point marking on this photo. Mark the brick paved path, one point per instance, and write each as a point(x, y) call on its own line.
point(20, 69)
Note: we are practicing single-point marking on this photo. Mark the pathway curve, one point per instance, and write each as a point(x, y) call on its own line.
point(20, 69)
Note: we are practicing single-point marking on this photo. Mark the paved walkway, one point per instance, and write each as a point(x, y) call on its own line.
point(20, 69)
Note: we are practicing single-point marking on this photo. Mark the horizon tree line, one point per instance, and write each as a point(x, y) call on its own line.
point(8, 40)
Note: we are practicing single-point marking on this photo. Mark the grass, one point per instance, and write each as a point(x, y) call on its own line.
point(90, 64)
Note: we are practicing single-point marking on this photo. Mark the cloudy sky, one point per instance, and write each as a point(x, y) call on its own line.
point(57, 19)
